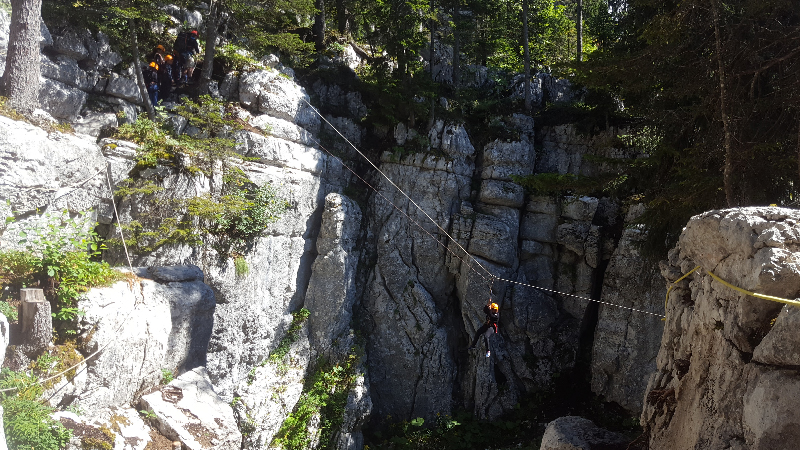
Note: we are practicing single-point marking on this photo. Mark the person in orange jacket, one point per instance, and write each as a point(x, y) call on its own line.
point(492, 318)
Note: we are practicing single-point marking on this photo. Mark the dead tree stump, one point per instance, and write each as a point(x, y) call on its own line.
point(36, 326)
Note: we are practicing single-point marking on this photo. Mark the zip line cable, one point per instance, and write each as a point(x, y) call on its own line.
point(395, 186)
point(411, 219)
point(491, 275)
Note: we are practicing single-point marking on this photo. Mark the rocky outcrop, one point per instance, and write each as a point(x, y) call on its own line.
point(157, 319)
point(626, 340)
point(35, 178)
point(412, 366)
point(577, 433)
point(332, 291)
point(725, 375)
point(188, 410)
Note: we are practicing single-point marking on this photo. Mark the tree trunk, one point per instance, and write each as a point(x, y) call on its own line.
point(431, 53)
point(527, 56)
point(137, 70)
point(21, 79)
point(456, 49)
point(319, 25)
point(727, 174)
point(211, 46)
point(341, 17)
point(580, 30)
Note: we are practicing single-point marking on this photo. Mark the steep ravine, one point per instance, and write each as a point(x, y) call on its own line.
point(372, 279)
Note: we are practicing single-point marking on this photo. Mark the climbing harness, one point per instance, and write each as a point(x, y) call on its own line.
point(492, 277)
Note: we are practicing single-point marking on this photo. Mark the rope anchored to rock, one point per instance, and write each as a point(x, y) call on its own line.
point(771, 298)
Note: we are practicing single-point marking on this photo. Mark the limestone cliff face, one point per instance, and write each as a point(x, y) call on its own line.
point(376, 273)
point(726, 371)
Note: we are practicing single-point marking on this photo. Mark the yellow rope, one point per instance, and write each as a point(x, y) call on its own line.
point(736, 288)
point(666, 300)
point(754, 294)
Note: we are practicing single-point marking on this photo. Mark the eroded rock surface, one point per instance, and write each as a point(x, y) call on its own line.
point(188, 410)
point(577, 433)
point(725, 373)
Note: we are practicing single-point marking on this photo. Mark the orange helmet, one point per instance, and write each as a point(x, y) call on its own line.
point(160, 48)
point(154, 65)
point(493, 306)
point(168, 58)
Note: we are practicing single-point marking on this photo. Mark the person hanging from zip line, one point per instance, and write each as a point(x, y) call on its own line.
point(492, 317)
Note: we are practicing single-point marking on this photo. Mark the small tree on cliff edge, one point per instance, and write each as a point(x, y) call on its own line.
point(21, 79)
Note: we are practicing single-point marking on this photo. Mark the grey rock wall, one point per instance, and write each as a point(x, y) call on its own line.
point(159, 318)
point(724, 379)
point(626, 341)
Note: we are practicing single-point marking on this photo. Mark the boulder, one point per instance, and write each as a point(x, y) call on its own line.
point(95, 122)
point(164, 325)
point(60, 100)
point(66, 70)
point(124, 86)
point(501, 193)
point(267, 92)
point(501, 160)
point(282, 129)
point(280, 151)
point(71, 44)
point(781, 346)
point(188, 410)
point(579, 208)
point(577, 433)
point(229, 89)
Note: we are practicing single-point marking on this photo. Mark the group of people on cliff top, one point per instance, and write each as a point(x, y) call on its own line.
point(166, 71)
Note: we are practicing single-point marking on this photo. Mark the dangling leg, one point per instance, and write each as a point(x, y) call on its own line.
point(478, 334)
point(486, 334)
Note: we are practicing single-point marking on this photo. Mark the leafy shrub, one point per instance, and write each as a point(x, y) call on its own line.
point(298, 318)
point(65, 253)
point(9, 311)
point(167, 376)
point(324, 394)
point(60, 255)
point(26, 419)
point(235, 58)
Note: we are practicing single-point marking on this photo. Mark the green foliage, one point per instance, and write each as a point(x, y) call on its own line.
point(234, 58)
point(60, 252)
point(66, 251)
point(9, 311)
point(238, 216)
point(240, 266)
point(298, 318)
point(324, 394)
point(166, 376)
point(242, 211)
point(26, 419)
